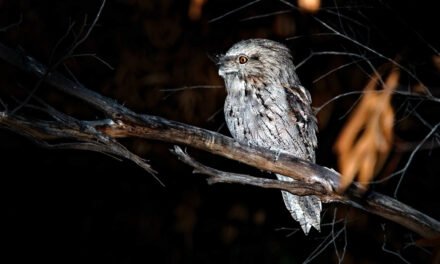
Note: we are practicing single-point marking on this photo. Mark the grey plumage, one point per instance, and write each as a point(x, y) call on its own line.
point(267, 106)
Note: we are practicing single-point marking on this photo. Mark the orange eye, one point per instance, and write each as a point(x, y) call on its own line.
point(242, 59)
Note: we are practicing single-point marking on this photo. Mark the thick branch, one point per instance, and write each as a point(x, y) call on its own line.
point(375, 203)
point(128, 124)
point(101, 136)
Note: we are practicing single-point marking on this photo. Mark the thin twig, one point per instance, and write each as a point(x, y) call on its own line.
point(67, 55)
point(434, 129)
point(234, 11)
point(400, 66)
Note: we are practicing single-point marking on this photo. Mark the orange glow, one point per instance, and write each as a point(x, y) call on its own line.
point(309, 5)
point(195, 9)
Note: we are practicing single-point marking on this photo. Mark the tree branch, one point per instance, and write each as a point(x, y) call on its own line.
point(296, 187)
point(374, 203)
point(101, 135)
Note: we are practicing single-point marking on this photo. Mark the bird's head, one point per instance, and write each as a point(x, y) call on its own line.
point(264, 59)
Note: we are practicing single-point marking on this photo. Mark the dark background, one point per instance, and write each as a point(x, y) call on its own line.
point(74, 206)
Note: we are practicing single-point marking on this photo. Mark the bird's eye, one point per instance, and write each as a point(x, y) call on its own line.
point(242, 59)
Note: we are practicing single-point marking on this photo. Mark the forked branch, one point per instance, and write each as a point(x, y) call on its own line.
point(119, 121)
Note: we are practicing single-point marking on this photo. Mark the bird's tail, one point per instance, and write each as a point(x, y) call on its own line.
point(304, 209)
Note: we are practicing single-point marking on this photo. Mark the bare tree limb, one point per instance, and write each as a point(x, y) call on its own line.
point(101, 135)
point(374, 203)
point(126, 123)
point(217, 176)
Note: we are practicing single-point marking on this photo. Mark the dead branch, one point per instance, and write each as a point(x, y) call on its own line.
point(375, 203)
point(101, 135)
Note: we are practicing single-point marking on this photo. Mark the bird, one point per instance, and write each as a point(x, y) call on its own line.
point(267, 106)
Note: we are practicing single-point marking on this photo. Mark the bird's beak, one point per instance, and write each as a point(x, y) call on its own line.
point(225, 66)
point(221, 64)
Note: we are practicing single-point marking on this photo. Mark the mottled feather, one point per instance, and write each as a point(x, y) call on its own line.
point(267, 106)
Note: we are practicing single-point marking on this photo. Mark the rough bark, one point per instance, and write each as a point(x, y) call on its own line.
point(119, 121)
